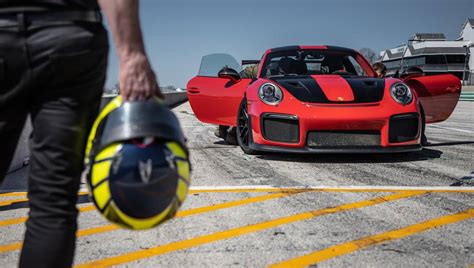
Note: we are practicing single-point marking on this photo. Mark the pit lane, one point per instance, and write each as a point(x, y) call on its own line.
point(339, 210)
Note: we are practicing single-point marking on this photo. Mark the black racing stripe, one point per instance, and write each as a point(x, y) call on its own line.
point(341, 49)
point(366, 89)
point(306, 89)
point(303, 87)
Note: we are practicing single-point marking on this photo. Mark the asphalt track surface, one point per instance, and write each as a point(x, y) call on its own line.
point(411, 210)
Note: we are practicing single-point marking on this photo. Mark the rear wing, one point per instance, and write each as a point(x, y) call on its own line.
point(248, 62)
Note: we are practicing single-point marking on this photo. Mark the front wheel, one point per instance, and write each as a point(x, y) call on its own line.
point(244, 129)
point(424, 139)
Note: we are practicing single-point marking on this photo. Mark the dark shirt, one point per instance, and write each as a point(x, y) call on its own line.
point(7, 6)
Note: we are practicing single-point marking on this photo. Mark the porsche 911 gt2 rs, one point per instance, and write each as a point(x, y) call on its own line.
point(310, 99)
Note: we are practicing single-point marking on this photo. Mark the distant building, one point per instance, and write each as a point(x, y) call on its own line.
point(467, 32)
point(434, 54)
point(168, 89)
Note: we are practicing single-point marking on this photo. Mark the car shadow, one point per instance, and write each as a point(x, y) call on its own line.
point(221, 142)
point(465, 181)
point(424, 154)
point(449, 143)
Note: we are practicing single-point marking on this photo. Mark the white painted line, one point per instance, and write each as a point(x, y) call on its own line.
point(455, 129)
point(322, 187)
point(83, 189)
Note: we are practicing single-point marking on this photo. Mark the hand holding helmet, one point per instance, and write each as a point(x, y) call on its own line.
point(138, 167)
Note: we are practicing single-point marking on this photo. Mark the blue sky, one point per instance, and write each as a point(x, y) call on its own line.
point(179, 32)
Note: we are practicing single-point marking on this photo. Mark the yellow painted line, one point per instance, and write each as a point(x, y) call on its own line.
point(8, 222)
point(10, 247)
point(87, 208)
point(269, 189)
point(96, 230)
point(81, 192)
point(241, 202)
point(20, 220)
point(23, 194)
point(13, 221)
point(20, 200)
point(180, 214)
point(205, 239)
point(190, 212)
point(365, 242)
point(11, 202)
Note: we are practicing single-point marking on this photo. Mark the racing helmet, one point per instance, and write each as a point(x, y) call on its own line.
point(137, 164)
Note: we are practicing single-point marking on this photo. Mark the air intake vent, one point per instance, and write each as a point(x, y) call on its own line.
point(281, 128)
point(403, 127)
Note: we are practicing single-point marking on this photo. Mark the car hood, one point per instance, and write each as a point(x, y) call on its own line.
point(333, 88)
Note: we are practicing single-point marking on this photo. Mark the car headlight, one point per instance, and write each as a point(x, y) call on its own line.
point(270, 94)
point(401, 93)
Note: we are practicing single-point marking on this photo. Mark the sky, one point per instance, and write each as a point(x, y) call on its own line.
point(178, 33)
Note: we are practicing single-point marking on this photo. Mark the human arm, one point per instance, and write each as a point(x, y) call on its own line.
point(137, 79)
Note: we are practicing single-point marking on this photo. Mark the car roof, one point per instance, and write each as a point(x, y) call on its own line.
point(287, 48)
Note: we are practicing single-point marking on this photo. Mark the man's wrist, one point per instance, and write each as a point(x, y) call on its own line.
point(132, 56)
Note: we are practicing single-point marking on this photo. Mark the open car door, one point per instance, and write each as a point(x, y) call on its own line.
point(213, 99)
point(438, 94)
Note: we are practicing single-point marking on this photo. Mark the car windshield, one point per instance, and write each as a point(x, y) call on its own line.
point(314, 62)
point(213, 63)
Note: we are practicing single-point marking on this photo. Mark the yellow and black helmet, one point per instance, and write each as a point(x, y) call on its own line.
point(137, 164)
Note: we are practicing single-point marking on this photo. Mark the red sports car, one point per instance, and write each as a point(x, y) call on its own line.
point(319, 99)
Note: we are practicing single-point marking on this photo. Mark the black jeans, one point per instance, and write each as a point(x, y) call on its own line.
point(55, 73)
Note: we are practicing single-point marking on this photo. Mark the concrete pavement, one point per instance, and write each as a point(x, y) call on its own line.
point(354, 210)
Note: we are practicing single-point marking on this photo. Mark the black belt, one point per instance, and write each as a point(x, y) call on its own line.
point(49, 17)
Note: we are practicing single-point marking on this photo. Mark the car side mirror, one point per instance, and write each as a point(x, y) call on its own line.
point(229, 73)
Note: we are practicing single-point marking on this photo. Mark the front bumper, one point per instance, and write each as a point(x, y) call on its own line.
point(335, 150)
point(372, 128)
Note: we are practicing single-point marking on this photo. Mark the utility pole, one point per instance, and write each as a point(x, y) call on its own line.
point(466, 64)
point(466, 47)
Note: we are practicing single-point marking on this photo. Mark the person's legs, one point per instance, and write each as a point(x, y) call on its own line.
point(221, 131)
point(62, 112)
point(12, 119)
point(60, 126)
point(231, 138)
point(13, 101)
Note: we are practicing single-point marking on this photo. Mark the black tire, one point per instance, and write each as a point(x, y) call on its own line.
point(424, 139)
point(244, 129)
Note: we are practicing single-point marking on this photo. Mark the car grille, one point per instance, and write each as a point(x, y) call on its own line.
point(343, 138)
